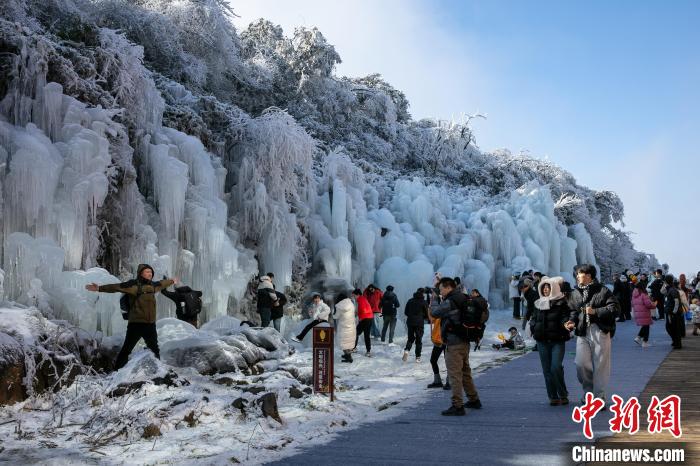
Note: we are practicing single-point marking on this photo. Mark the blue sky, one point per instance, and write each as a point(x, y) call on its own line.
point(608, 90)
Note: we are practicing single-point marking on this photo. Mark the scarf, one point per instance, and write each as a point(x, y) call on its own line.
point(585, 292)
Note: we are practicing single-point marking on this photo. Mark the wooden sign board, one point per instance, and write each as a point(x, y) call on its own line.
point(323, 360)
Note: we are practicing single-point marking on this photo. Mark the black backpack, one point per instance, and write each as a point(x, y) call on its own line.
point(472, 320)
point(193, 303)
point(126, 302)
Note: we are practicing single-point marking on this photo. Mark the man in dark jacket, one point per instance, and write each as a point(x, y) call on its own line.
point(447, 309)
point(142, 312)
point(675, 320)
point(389, 304)
point(593, 310)
point(188, 303)
point(416, 314)
point(655, 291)
point(622, 292)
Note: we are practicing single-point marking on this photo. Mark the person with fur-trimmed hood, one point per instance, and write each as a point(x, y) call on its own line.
point(142, 313)
point(547, 328)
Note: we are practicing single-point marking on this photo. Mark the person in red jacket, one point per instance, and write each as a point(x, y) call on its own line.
point(374, 295)
point(366, 318)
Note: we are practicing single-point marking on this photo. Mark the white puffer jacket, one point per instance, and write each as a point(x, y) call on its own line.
point(345, 315)
point(319, 311)
point(513, 291)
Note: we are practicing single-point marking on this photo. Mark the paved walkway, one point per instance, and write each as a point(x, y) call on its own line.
point(516, 425)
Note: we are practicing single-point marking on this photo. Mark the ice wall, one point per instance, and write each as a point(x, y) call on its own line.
point(61, 158)
point(424, 229)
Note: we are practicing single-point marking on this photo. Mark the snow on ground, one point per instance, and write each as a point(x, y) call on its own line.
point(198, 421)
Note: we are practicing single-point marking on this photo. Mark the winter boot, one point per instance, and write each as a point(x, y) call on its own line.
point(454, 411)
point(476, 404)
point(447, 385)
point(404, 358)
point(437, 382)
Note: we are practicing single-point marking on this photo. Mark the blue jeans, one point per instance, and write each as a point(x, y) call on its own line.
point(375, 326)
point(551, 357)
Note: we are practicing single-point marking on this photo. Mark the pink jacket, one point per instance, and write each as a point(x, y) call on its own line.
point(642, 306)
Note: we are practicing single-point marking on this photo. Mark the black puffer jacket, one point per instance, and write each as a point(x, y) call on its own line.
point(547, 325)
point(603, 303)
point(416, 312)
point(531, 295)
point(655, 289)
point(389, 304)
point(278, 310)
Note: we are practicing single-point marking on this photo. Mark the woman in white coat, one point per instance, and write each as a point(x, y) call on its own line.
point(345, 316)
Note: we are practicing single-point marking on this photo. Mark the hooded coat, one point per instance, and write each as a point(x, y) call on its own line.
point(551, 312)
point(643, 308)
point(345, 316)
point(142, 294)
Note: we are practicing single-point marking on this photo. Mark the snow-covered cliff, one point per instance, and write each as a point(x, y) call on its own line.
point(153, 131)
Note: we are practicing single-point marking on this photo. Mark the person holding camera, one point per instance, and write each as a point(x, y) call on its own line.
point(457, 347)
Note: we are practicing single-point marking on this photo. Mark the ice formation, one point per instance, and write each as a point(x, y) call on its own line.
point(137, 158)
point(61, 158)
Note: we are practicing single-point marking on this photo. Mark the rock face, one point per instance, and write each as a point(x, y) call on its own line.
point(37, 354)
point(11, 370)
point(268, 404)
point(59, 353)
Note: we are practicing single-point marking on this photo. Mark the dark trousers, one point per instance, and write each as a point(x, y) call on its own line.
point(309, 326)
point(434, 356)
point(644, 333)
point(628, 312)
point(551, 358)
point(516, 308)
point(506, 344)
point(389, 323)
point(415, 334)
point(675, 326)
point(134, 332)
point(265, 317)
point(365, 326)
